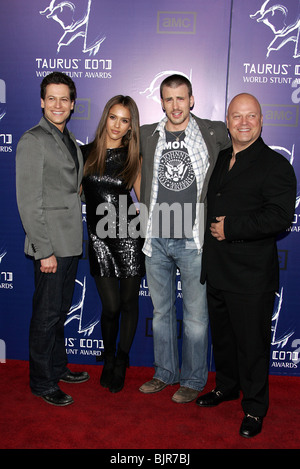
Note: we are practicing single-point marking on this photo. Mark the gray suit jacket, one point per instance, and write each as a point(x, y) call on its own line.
point(48, 193)
point(215, 136)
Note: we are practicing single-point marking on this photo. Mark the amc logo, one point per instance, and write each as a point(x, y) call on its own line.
point(284, 115)
point(82, 109)
point(176, 22)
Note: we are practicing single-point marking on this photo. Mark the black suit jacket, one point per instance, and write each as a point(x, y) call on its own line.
point(257, 196)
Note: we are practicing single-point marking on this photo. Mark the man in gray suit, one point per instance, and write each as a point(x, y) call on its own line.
point(178, 156)
point(48, 176)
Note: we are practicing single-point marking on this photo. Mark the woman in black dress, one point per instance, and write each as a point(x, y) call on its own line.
point(112, 168)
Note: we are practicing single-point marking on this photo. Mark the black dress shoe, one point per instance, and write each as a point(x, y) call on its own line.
point(58, 398)
point(251, 426)
point(75, 377)
point(215, 397)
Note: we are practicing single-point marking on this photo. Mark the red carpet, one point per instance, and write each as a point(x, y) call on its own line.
point(99, 419)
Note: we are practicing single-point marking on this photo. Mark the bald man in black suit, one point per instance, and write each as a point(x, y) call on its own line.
point(251, 199)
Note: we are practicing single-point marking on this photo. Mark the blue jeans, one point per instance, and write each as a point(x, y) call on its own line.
point(51, 303)
point(167, 256)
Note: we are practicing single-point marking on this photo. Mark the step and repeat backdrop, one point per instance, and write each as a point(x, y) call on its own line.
point(112, 47)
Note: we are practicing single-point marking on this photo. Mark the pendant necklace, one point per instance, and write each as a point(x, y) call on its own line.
point(176, 137)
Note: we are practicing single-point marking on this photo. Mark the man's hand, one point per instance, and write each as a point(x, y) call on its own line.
point(217, 229)
point(49, 265)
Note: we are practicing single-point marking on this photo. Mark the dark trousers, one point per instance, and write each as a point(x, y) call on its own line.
point(51, 303)
point(241, 336)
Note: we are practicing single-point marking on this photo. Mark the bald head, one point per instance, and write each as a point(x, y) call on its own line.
point(244, 121)
point(244, 98)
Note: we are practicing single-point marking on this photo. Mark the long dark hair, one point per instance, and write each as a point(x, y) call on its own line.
point(95, 163)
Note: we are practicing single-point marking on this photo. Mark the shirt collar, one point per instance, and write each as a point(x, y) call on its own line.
point(253, 147)
point(162, 124)
point(61, 134)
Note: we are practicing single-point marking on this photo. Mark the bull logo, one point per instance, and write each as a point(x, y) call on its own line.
point(283, 20)
point(2, 99)
point(74, 17)
point(152, 91)
point(86, 322)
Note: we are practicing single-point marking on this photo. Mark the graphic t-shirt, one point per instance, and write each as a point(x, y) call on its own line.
point(175, 209)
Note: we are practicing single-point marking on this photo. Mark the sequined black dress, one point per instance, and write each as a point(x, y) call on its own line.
point(112, 253)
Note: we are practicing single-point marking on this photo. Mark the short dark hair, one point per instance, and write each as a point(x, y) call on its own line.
point(58, 78)
point(176, 80)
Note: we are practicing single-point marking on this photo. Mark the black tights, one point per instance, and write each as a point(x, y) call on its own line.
point(119, 297)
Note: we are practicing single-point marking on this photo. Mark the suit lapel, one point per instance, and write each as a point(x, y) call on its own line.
point(221, 170)
point(151, 143)
point(54, 133)
point(44, 124)
point(245, 160)
point(207, 137)
point(80, 158)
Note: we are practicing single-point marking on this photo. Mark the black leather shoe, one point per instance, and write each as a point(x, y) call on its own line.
point(75, 377)
point(58, 398)
point(251, 426)
point(215, 397)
